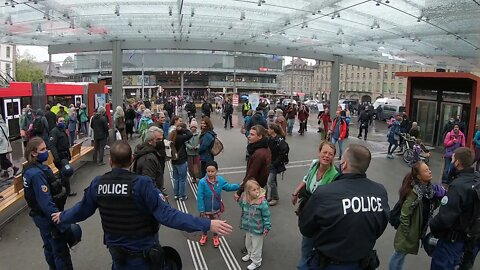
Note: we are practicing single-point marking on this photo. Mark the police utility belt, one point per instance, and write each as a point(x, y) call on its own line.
point(371, 262)
point(154, 256)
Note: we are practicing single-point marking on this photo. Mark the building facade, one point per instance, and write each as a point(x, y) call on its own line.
point(189, 73)
point(297, 78)
point(7, 60)
point(364, 84)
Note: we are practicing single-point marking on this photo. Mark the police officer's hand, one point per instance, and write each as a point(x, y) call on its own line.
point(220, 227)
point(56, 217)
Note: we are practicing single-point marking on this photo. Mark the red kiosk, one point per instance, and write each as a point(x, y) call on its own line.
point(434, 97)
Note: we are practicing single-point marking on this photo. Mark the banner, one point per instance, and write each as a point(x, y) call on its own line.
point(235, 100)
point(254, 100)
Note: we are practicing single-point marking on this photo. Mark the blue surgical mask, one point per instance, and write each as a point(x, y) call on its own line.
point(42, 157)
point(61, 125)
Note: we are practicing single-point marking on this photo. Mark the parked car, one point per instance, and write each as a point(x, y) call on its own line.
point(390, 110)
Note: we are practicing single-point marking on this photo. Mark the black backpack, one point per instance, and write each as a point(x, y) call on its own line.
point(283, 150)
point(394, 219)
point(37, 126)
point(473, 229)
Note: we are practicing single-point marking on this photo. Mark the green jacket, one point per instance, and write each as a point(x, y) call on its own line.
point(410, 230)
point(192, 143)
point(256, 216)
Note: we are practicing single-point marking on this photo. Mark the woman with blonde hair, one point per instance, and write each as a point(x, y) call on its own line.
point(119, 118)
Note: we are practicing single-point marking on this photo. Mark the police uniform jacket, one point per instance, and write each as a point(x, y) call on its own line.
point(346, 217)
point(59, 144)
point(456, 207)
point(37, 189)
point(148, 199)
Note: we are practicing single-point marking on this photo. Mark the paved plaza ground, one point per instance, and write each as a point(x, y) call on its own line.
point(21, 246)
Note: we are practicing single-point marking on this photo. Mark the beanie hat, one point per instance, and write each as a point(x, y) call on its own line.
point(212, 163)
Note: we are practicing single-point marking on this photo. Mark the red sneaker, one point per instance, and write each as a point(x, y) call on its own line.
point(203, 240)
point(216, 241)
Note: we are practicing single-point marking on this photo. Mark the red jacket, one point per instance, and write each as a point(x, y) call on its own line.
point(325, 118)
point(258, 166)
point(343, 128)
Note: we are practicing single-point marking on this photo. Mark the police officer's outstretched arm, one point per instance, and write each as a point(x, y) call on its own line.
point(82, 210)
point(168, 216)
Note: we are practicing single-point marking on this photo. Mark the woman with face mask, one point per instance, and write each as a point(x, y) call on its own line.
point(45, 195)
point(321, 172)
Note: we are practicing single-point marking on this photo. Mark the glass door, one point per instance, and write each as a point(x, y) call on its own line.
point(78, 100)
point(426, 119)
point(448, 110)
point(12, 115)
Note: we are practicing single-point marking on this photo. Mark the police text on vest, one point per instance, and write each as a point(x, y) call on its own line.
point(113, 189)
point(362, 204)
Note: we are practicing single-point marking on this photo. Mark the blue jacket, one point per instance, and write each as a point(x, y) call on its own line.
point(165, 128)
point(206, 200)
point(394, 130)
point(476, 139)
point(148, 199)
point(206, 143)
point(36, 186)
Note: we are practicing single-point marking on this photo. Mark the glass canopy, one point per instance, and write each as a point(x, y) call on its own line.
point(444, 33)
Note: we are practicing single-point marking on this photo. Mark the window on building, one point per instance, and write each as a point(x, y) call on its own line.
point(378, 75)
point(363, 86)
point(8, 69)
point(370, 75)
point(7, 54)
point(400, 88)
point(392, 88)
point(364, 76)
point(393, 75)
point(377, 89)
point(385, 88)
point(358, 75)
point(370, 86)
point(357, 86)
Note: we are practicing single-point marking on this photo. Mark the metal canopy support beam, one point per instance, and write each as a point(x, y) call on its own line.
point(208, 46)
point(117, 87)
point(335, 85)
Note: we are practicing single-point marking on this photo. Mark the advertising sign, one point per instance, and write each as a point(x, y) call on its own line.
point(254, 100)
point(235, 100)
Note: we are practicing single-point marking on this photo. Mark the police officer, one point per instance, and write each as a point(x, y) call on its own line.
point(59, 145)
point(131, 209)
point(346, 217)
point(455, 214)
point(44, 195)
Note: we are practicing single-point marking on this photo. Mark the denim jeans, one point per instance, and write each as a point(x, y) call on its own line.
point(447, 166)
point(396, 261)
point(179, 179)
point(307, 251)
point(290, 123)
point(340, 146)
point(446, 255)
point(272, 184)
point(72, 137)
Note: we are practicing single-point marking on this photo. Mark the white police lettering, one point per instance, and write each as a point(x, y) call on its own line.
point(114, 189)
point(362, 204)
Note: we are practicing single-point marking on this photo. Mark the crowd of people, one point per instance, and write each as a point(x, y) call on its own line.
point(132, 198)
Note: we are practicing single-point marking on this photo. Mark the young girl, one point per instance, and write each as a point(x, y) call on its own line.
point(209, 197)
point(255, 221)
point(193, 147)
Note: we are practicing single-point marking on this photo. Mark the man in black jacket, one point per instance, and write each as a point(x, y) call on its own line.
point(51, 118)
point(150, 157)
point(179, 137)
point(228, 111)
point(207, 108)
point(364, 120)
point(346, 217)
point(455, 215)
point(59, 145)
point(99, 125)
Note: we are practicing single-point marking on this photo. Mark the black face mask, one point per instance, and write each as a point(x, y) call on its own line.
point(159, 145)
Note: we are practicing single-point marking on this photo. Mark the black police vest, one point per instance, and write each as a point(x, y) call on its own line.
point(118, 210)
point(55, 186)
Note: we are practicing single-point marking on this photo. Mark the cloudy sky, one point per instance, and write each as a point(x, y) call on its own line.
point(41, 53)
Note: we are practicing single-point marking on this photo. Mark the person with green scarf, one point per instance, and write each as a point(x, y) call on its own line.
point(321, 172)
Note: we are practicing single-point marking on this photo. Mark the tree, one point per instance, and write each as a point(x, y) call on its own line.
point(68, 62)
point(26, 70)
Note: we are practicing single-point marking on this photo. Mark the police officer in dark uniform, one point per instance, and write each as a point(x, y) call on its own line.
point(131, 208)
point(44, 195)
point(346, 217)
point(455, 214)
point(59, 145)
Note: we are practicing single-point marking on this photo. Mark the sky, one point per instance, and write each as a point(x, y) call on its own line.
point(41, 53)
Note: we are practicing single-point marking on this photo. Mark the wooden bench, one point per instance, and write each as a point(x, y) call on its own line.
point(14, 193)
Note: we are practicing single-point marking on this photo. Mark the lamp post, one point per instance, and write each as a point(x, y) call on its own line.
point(234, 74)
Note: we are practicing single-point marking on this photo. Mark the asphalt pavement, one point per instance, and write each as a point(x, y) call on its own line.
point(21, 246)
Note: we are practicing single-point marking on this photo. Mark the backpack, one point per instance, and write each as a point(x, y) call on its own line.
point(217, 147)
point(283, 150)
point(37, 126)
point(473, 229)
point(170, 150)
point(394, 219)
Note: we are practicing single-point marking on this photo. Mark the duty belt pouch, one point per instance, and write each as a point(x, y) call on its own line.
point(155, 257)
point(119, 255)
point(371, 262)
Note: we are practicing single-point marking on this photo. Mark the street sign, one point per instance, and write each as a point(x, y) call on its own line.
point(235, 100)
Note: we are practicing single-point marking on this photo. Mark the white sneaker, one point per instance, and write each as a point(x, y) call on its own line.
point(246, 258)
point(253, 266)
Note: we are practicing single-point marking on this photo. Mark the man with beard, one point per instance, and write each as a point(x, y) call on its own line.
point(150, 157)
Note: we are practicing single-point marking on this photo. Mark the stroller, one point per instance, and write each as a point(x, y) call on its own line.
point(410, 154)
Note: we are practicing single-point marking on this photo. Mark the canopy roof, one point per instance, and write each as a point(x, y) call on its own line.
point(445, 33)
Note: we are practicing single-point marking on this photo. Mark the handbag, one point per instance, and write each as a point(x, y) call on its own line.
point(222, 207)
point(9, 146)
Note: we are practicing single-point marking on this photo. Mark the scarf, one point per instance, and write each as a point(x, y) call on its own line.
point(422, 191)
point(252, 147)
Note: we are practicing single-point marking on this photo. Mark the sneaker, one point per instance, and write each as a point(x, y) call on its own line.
point(246, 258)
point(253, 266)
point(216, 241)
point(176, 198)
point(273, 202)
point(184, 198)
point(203, 240)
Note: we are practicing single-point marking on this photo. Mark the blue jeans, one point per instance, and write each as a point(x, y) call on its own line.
point(307, 251)
point(340, 145)
point(179, 179)
point(448, 255)
point(72, 137)
point(290, 123)
point(396, 261)
point(56, 250)
point(447, 166)
point(272, 184)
